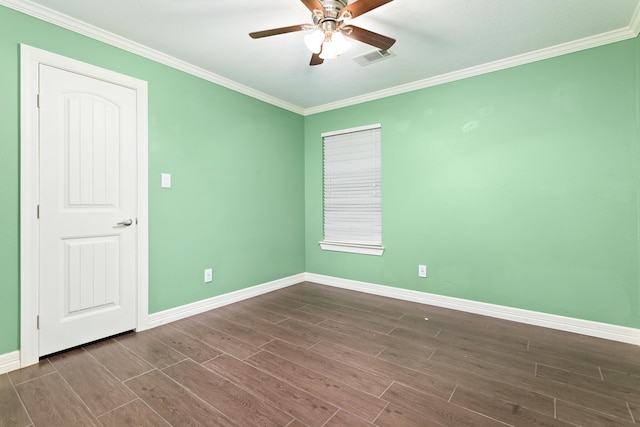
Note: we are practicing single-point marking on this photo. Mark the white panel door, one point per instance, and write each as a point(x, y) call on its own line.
point(87, 187)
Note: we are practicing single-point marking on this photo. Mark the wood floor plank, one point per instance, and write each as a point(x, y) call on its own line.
point(484, 339)
point(282, 300)
point(368, 315)
point(621, 378)
point(345, 318)
point(174, 403)
point(295, 337)
point(136, 413)
point(12, 413)
point(340, 395)
point(52, 403)
point(219, 323)
point(249, 306)
point(357, 335)
point(617, 361)
point(293, 401)
point(216, 339)
point(344, 419)
point(454, 367)
point(237, 404)
point(505, 411)
point(503, 360)
point(119, 360)
point(572, 365)
point(98, 388)
point(620, 391)
point(183, 343)
point(40, 369)
point(321, 333)
point(303, 301)
point(365, 302)
point(293, 313)
point(513, 356)
point(536, 333)
point(436, 410)
point(344, 297)
point(422, 323)
point(368, 382)
point(583, 416)
point(151, 350)
point(425, 383)
point(567, 392)
point(394, 416)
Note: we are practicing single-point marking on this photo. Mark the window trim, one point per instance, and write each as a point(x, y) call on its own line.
point(349, 247)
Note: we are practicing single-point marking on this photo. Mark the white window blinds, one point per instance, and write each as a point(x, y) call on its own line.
point(353, 191)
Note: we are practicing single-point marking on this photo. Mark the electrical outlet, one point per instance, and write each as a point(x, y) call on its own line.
point(422, 271)
point(208, 275)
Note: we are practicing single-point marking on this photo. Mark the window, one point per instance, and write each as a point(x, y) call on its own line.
point(353, 191)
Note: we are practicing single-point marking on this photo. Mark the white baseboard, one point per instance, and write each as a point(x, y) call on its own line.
point(9, 362)
point(569, 324)
point(177, 313)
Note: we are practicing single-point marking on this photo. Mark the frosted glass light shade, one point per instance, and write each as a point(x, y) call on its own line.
point(328, 51)
point(340, 43)
point(314, 41)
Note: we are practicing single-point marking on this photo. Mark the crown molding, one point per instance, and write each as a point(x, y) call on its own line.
point(502, 64)
point(80, 27)
point(634, 25)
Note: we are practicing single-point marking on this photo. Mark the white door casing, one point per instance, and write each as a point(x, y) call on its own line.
point(86, 276)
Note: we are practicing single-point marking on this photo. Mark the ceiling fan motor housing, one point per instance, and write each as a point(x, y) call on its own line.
point(331, 11)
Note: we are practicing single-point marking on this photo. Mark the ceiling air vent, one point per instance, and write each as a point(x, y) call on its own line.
point(371, 57)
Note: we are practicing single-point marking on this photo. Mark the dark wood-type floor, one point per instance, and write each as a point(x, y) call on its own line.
point(320, 356)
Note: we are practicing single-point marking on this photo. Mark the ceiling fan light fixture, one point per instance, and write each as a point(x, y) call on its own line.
point(314, 41)
point(334, 44)
point(340, 43)
point(328, 50)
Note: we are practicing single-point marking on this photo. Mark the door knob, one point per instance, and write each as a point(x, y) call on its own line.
point(126, 222)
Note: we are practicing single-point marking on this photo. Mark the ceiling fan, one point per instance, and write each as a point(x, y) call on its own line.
point(330, 24)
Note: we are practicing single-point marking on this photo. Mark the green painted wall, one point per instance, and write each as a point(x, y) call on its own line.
point(237, 202)
point(517, 188)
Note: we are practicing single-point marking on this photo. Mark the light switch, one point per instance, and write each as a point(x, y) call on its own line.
point(422, 271)
point(166, 180)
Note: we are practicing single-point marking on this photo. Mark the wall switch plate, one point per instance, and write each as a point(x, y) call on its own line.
point(208, 275)
point(166, 180)
point(422, 271)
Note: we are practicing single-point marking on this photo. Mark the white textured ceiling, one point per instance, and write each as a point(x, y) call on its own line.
point(434, 38)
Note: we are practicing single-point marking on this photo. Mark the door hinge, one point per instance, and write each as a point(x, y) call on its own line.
point(38, 321)
point(38, 212)
point(38, 101)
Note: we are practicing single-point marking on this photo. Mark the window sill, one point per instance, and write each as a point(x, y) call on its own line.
point(352, 248)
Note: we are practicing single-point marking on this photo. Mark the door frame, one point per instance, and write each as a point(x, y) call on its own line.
point(30, 59)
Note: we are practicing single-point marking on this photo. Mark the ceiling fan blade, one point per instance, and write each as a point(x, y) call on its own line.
point(313, 5)
point(316, 60)
point(360, 7)
point(369, 37)
point(276, 31)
